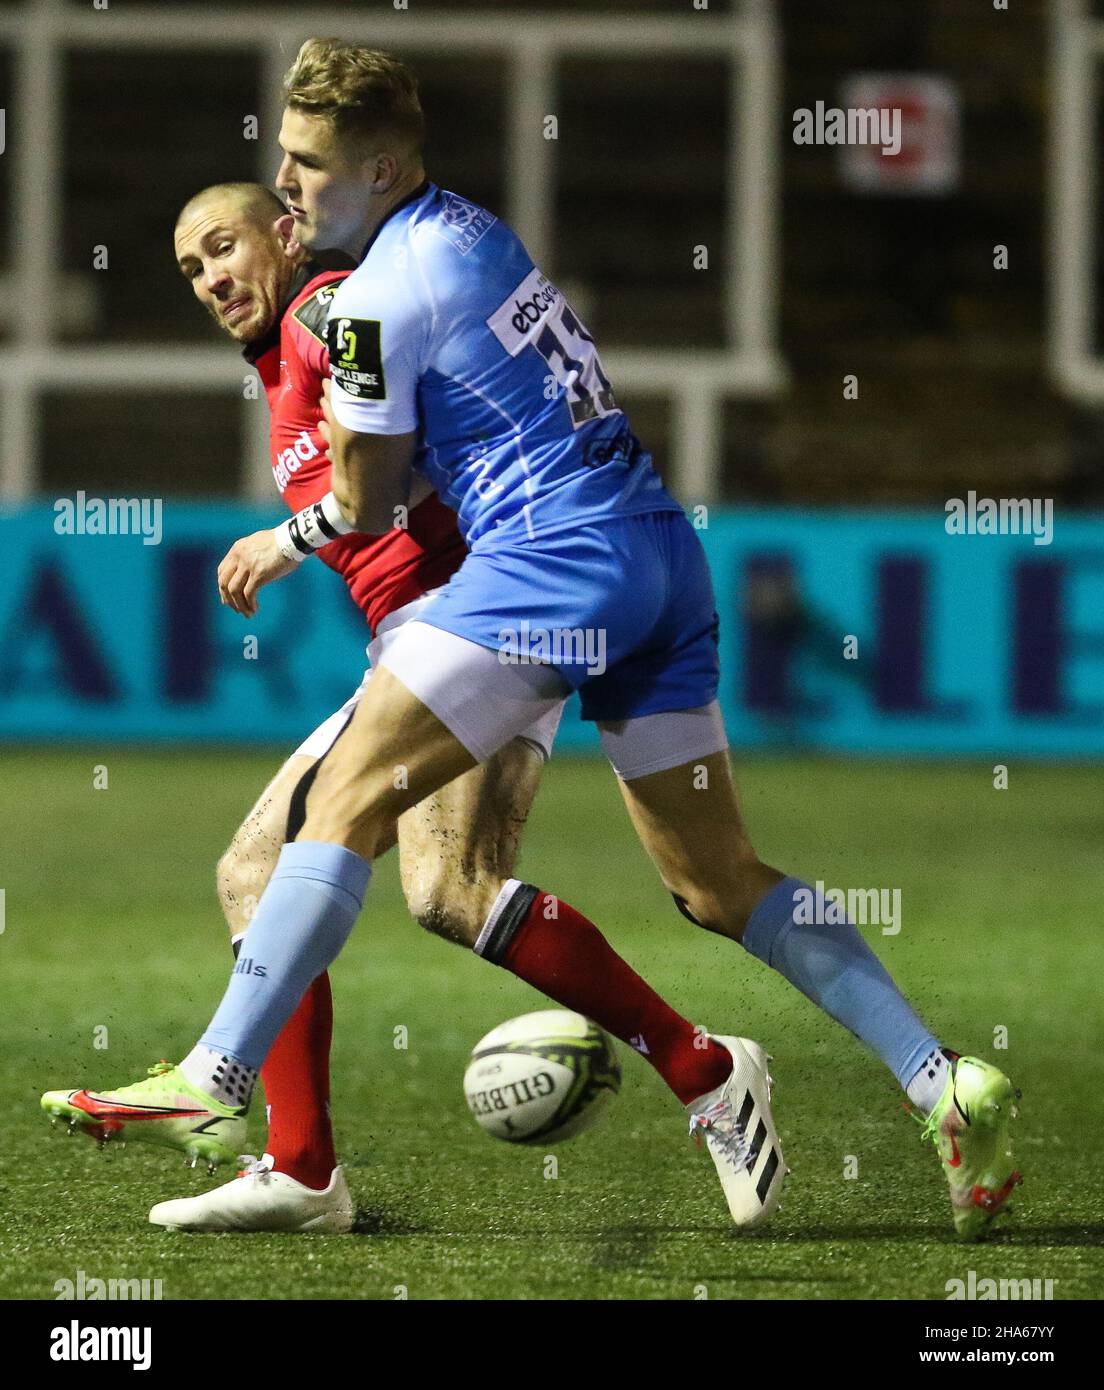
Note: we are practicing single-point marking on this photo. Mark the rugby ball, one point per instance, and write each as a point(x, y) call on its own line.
point(541, 1078)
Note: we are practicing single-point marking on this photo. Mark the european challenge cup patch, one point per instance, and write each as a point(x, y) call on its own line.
point(356, 359)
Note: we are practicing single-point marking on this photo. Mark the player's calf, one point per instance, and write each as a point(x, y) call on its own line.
point(296, 1072)
point(548, 944)
point(458, 847)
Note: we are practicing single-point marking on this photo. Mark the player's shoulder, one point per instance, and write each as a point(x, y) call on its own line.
point(449, 226)
point(463, 248)
point(366, 285)
point(443, 250)
point(382, 288)
point(471, 260)
point(311, 306)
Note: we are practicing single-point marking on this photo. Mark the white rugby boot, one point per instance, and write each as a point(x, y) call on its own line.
point(736, 1124)
point(260, 1200)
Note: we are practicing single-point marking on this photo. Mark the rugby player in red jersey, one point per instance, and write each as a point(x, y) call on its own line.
point(457, 848)
point(456, 355)
point(235, 245)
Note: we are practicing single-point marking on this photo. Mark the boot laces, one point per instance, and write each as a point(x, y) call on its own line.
point(727, 1133)
point(253, 1167)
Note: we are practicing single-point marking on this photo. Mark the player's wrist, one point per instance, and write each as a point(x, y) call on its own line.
point(310, 529)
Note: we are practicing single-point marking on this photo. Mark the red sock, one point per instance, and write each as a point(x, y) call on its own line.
point(296, 1078)
point(556, 950)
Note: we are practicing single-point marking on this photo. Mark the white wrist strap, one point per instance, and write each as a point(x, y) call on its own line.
point(311, 529)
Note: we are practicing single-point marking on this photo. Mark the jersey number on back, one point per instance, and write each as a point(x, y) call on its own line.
point(537, 315)
point(569, 350)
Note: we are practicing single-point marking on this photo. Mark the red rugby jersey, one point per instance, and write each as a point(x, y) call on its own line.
point(382, 572)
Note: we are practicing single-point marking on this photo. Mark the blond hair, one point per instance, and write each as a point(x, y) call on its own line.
point(364, 93)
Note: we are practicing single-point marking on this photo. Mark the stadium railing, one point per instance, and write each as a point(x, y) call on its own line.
point(40, 32)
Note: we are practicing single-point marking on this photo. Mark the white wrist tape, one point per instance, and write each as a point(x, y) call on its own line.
point(311, 529)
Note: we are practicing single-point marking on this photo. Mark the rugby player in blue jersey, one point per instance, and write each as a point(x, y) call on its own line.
point(453, 356)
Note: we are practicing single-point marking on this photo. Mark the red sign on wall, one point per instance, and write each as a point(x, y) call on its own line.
point(923, 113)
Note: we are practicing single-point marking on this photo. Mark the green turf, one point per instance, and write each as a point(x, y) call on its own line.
point(111, 920)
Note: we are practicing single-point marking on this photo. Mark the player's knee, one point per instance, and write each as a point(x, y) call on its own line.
point(453, 911)
point(360, 815)
point(726, 905)
point(240, 879)
point(702, 908)
point(441, 918)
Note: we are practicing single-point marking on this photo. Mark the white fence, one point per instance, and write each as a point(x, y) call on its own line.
point(1076, 72)
point(531, 45)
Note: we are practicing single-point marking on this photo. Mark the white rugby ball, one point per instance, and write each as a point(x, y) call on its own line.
point(542, 1077)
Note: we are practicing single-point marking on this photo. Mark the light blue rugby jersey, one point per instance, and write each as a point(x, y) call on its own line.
point(447, 327)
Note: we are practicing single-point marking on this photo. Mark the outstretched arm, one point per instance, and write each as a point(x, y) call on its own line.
point(249, 563)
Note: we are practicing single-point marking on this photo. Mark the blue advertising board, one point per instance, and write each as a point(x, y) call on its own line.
point(851, 632)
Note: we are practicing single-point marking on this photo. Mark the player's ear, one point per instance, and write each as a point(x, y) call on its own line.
point(380, 171)
point(284, 227)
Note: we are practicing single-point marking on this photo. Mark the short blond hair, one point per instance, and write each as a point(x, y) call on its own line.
point(363, 92)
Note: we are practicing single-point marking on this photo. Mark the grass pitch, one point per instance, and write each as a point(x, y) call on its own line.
point(112, 924)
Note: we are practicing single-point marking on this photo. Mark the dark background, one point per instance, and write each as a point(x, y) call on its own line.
point(899, 290)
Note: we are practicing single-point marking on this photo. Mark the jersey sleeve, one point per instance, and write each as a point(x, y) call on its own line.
point(378, 336)
point(307, 329)
point(315, 358)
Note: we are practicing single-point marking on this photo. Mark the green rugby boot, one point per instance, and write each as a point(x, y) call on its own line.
point(164, 1109)
point(970, 1129)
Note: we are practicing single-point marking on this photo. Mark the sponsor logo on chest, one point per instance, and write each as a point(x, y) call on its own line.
point(288, 461)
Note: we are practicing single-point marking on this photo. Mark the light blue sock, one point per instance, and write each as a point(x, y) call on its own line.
point(303, 920)
point(835, 968)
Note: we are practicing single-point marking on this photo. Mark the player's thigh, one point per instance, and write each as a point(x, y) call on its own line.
point(459, 845)
point(392, 753)
point(247, 865)
point(688, 820)
point(438, 705)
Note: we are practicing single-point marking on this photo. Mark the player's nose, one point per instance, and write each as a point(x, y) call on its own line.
point(216, 279)
point(283, 175)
